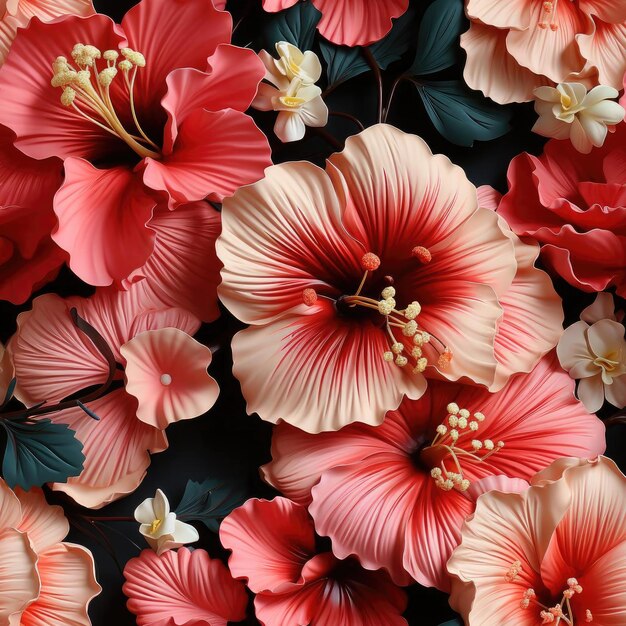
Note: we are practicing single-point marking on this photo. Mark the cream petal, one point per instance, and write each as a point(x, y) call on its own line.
point(145, 513)
point(289, 126)
point(603, 307)
point(616, 392)
point(591, 393)
point(579, 138)
point(606, 339)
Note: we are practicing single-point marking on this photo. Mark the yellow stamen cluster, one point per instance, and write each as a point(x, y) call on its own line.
point(86, 89)
point(561, 612)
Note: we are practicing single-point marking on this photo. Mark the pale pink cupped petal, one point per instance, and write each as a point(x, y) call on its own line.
point(359, 23)
point(68, 584)
point(10, 508)
point(270, 540)
point(602, 308)
point(328, 349)
point(496, 483)
point(45, 525)
point(604, 48)
point(182, 588)
point(278, 5)
point(214, 154)
point(166, 370)
point(514, 14)
point(103, 221)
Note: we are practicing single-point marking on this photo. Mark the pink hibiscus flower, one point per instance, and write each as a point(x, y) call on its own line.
point(16, 13)
point(554, 554)
point(181, 588)
point(350, 22)
point(137, 114)
point(575, 206)
point(273, 546)
point(360, 280)
point(163, 371)
point(43, 579)
point(530, 43)
point(411, 481)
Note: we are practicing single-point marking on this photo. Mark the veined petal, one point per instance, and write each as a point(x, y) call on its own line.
point(604, 48)
point(47, 10)
point(514, 14)
point(10, 508)
point(44, 524)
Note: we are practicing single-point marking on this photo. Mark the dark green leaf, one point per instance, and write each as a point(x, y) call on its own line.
point(210, 501)
point(295, 25)
point(10, 391)
point(452, 622)
point(397, 42)
point(462, 115)
point(439, 32)
point(39, 452)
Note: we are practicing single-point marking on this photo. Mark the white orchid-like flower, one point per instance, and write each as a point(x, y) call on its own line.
point(567, 111)
point(160, 527)
point(593, 351)
point(291, 90)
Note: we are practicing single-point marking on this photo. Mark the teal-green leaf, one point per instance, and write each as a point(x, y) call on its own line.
point(39, 452)
point(439, 32)
point(210, 501)
point(397, 42)
point(461, 115)
point(295, 25)
point(342, 63)
point(452, 622)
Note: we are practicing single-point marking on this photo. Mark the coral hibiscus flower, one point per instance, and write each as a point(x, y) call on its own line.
point(273, 546)
point(136, 112)
point(361, 280)
point(554, 554)
point(43, 579)
point(350, 23)
point(411, 481)
point(530, 43)
point(163, 371)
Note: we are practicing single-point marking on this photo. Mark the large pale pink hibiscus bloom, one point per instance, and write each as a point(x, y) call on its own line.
point(529, 43)
point(162, 374)
point(145, 110)
point(44, 581)
point(554, 554)
point(183, 588)
point(396, 495)
point(350, 22)
point(274, 547)
point(310, 257)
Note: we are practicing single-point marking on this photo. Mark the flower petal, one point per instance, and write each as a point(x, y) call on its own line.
point(103, 221)
point(47, 10)
point(45, 524)
point(615, 393)
point(591, 392)
point(10, 508)
point(183, 587)
point(604, 48)
point(166, 370)
point(607, 10)
point(606, 339)
point(514, 14)
point(274, 6)
point(603, 307)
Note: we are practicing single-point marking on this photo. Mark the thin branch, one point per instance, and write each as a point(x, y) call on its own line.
point(371, 61)
point(347, 116)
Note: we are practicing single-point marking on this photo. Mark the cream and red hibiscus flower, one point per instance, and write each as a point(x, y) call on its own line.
point(554, 554)
point(160, 377)
point(530, 43)
point(350, 22)
point(575, 206)
point(274, 547)
point(180, 588)
point(361, 280)
point(411, 482)
point(43, 580)
point(138, 114)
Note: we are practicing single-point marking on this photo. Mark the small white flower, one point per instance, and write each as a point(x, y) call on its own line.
point(290, 89)
point(160, 527)
point(568, 111)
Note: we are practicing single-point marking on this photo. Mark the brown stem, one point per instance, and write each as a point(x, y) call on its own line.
point(392, 94)
point(347, 116)
point(371, 61)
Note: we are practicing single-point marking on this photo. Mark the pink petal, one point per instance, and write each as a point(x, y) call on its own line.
point(603, 307)
point(497, 483)
point(32, 108)
point(182, 33)
point(47, 10)
point(359, 23)
point(553, 53)
point(366, 509)
point(506, 81)
point(278, 5)
point(8, 30)
point(214, 154)
point(10, 508)
point(109, 238)
point(607, 10)
point(281, 236)
point(271, 540)
point(514, 14)
point(117, 449)
point(166, 370)
point(68, 584)
point(18, 575)
point(44, 524)
point(604, 48)
point(183, 269)
point(182, 588)
point(329, 349)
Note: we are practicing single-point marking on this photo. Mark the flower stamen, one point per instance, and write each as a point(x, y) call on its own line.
point(561, 612)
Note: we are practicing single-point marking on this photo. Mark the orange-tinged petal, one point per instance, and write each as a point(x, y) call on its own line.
point(44, 524)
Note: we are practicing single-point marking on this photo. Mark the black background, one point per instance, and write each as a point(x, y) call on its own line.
point(226, 442)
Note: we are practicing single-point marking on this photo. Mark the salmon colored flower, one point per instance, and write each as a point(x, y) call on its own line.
point(181, 588)
point(361, 280)
point(397, 494)
point(43, 579)
point(162, 378)
point(273, 546)
point(554, 554)
point(530, 43)
point(350, 22)
point(138, 114)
